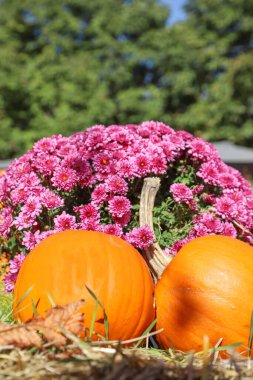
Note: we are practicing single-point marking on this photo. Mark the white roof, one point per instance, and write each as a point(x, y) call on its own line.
point(230, 152)
point(5, 163)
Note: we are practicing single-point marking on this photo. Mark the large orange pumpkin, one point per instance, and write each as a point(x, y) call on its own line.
point(63, 264)
point(207, 289)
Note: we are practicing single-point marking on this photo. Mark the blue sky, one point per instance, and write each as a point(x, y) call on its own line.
point(177, 13)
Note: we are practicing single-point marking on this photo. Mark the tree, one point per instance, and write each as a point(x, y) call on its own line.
point(209, 74)
point(66, 65)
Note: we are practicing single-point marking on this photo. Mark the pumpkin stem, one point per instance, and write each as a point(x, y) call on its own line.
point(154, 256)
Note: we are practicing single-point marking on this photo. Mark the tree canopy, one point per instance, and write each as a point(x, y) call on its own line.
point(68, 64)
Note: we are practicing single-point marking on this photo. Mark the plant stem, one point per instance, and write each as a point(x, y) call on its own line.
point(154, 256)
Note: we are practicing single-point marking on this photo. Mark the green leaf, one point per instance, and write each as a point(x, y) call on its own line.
point(221, 348)
point(149, 328)
point(25, 295)
point(52, 303)
point(106, 324)
point(250, 335)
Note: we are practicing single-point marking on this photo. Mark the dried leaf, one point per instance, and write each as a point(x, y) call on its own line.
point(50, 334)
point(67, 317)
point(21, 336)
point(52, 327)
point(59, 319)
point(4, 326)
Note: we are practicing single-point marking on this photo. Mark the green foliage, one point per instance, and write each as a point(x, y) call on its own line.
point(66, 65)
point(210, 93)
point(69, 64)
point(172, 220)
point(6, 300)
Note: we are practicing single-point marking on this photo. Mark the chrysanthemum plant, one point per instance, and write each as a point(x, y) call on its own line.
point(93, 180)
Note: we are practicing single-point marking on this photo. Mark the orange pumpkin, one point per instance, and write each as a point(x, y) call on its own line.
point(63, 264)
point(207, 289)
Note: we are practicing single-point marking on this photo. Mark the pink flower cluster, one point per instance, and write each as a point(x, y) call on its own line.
point(11, 276)
point(183, 194)
point(92, 180)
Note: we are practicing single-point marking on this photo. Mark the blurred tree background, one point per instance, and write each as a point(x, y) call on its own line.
point(68, 64)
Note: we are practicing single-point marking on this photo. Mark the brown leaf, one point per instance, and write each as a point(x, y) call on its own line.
point(21, 336)
point(50, 334)
point(60, 319)
point(67, 317)
point(4, 326)
point(52, 327)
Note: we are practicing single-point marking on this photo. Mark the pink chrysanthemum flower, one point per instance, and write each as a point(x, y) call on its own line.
point(24, 220)
point(43, 235)
point(9, 281)
point(99, 194)
point(178, 245)
point(177, 140)
point(225, 207)
point(144, 131)
point(19, 168)
point(209, 173)
point(201, 149)
point(198, 230)
point(83, 171)
point(90, 225)
point(121, 136)
point(168, 151)
point(159, 165)
point(141, 237)
point(142, 164)
point(228, 180)
point(113, 229)
point(30, 239)
point(19, 195)
point(6, 219)
point(156, 127)
point(95, 141)
point(16, 263)
point(11, 277)
point(64, 178)
point(65, 221)
point(30, 181)
point(66, 149)
point(46, 145)
point(32, 207)
point(102, 163)
point(88, 211)
point(116, 185)
point(209, 221)
point(181, 193)
point(229, 230)
point(50, 200)
point(127, 168)
point(119, 205)
point(249, 202)
point(122, 220)
point(46, 164)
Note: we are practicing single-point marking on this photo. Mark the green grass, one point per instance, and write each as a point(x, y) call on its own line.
point(132, 361)
point(6, 300)
point(6, 316)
